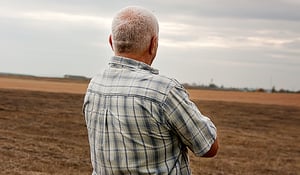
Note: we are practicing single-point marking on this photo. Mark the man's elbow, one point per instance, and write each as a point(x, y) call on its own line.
point(213, 150)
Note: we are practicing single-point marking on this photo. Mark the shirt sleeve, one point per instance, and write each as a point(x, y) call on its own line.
point(194, 129)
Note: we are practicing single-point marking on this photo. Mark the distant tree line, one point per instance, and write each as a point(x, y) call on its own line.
point(212, 86)
point(75, 77)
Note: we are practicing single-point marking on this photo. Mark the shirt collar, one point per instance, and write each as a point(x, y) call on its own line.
point(131, 63)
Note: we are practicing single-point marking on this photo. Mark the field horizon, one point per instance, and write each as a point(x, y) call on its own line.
point(78, 86)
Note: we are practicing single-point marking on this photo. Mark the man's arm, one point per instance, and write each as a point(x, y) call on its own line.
point(213, 149)
point(194, 129)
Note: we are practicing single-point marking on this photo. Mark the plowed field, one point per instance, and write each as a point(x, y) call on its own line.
point(42, 130)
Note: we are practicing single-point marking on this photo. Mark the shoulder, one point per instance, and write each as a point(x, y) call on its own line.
point(169, 87)
point(167, 83)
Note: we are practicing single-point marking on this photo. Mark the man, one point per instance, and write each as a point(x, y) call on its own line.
point(138, 121)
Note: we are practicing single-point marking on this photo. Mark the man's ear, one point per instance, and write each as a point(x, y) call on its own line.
point(153, 45)
point(110, 42)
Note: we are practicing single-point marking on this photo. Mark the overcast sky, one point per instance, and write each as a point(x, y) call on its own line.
point(234, 43)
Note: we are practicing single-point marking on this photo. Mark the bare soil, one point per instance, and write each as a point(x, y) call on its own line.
point(44, 133)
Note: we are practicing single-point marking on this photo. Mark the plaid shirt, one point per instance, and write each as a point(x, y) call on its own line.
point(139, 122)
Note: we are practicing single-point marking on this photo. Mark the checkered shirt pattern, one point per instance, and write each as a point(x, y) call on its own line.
point(140, 122)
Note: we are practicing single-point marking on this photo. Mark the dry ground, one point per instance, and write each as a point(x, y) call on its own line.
point(44, 133)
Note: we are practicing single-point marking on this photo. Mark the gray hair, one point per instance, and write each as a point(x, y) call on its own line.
point(132, 29)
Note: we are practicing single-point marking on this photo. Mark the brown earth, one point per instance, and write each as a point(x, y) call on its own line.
point(44, 132)
point(46, 85)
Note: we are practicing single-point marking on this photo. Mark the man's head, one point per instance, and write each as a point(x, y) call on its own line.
point(135, 34)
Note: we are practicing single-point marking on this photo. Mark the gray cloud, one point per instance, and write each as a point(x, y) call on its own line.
point(255, 9)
